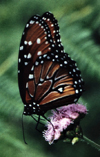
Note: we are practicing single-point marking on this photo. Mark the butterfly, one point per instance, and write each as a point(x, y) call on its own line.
point(48, 78)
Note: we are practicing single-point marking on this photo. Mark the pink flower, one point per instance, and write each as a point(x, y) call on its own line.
point(61, 119)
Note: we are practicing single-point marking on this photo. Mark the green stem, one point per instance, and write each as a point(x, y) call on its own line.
point(93, 144)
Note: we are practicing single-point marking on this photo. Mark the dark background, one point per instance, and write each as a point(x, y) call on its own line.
point(79, 22)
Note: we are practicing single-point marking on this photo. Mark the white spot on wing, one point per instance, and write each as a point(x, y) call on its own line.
point(44, 18)
point(25, 42)
point(53, 45)
point(56, 56)
point(26, 63)
point(80, 90)
point(44, 55)
point(31, 22)
point(46, 42)
point(60, 89)
point(34, 103)
point(29, 56)
point(47, 77)
point(76, 91)
point(21, 47)
point(39, 53)
point(25, 56)
point(37, 22)
point(53, 59)
point(27, 25)
point(36, 63)
point(40, 57)
point(27, 85)
point(30, 43)
point(42, 62)
point(49, 48)
point(65, 62)
point(49, 35)
point(38, 40)
point(74, 70)
point(30, 76)
point(41, 80)
point(40, 84)
point(32, 68)
point(19, 60)
point(52, 25)
point(48, 57)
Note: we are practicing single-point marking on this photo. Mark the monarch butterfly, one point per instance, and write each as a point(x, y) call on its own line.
point(47, 76)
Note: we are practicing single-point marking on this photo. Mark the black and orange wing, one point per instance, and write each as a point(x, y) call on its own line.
point(37, 40)
point(47, 76)
point(54, 81)
point(54, 29)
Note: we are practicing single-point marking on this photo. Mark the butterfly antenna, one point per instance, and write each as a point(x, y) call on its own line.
point(38, 121)
point(23, 130)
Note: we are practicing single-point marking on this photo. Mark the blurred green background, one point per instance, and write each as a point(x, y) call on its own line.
point(79, 22)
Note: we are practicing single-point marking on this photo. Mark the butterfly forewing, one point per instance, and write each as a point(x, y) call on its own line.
point(54, 28)
point(36, 40)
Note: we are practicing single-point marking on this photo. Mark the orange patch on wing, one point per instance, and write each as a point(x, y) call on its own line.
point(54, 95)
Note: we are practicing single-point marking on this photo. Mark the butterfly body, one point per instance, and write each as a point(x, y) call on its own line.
point(47, 76)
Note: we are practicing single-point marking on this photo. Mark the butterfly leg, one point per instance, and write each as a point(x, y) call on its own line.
point(38, 121)
point(49, 122)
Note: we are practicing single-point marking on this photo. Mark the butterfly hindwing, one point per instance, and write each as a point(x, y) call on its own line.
point(56, 85)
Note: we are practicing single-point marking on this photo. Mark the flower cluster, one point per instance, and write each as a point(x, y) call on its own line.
point(61, 119)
